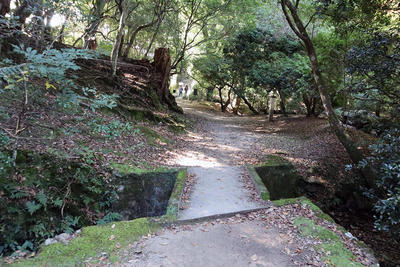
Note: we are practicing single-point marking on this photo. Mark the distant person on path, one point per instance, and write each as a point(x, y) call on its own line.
point(186, 89)
point(180, 91)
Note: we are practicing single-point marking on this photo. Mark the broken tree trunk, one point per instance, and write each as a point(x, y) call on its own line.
point(161, 78)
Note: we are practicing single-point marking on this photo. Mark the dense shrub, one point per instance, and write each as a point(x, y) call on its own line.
point(385, 160)
point(43, 196)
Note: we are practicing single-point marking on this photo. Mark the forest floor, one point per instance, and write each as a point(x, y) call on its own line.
point(216, 152)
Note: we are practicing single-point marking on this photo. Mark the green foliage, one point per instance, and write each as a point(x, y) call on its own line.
point(110, 217)
point(254, 62)
point(385, 160)
point(46, 73)
point(98, 100)
point(44, 196)
point(51, 64)
point(375, 68)
point(5, 158)
point(112, 129)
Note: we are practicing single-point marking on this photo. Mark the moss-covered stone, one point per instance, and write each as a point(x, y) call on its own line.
point(273, 160)
point(126, 168)
point(92, 241)
point(309, 228)
point(175, 198)
point(334, 251)
point(285, 201)
point(258, 183)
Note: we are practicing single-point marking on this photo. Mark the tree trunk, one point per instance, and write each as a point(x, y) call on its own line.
point(61, 33)
point(118, 39)
point(290, 12)
point(255, 112)
point(153, 38)
point(378, 109)
point(4, 7)
point(133, 37)
point(271, 109)
point(237, 105)
point(221, 99)
point(95, 15)
point(210, 91)
point(314, 104)
point(308, 104)
point(282, 103)
point(24, 10)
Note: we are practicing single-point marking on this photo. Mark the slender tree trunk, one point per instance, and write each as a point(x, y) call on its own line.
point(121, 44)
point(308, 104)
point(271, 108)
point(118, 39)
point(224, 104)
point(61, 33)
point(153, 38)
point(237, 105)
point(282, 103)
point(290, 12)
point(95, 16)
point(314, 103)
point(221, 100)
point(247, 102)
point(133, 37)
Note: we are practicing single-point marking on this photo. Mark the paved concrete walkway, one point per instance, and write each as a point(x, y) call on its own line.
point(218, 190)
point(243, 244)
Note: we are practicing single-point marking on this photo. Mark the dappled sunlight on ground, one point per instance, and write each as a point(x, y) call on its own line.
point(193, 158)
point(226, 139)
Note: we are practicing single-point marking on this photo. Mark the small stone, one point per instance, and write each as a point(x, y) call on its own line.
point(349, 235)
point(63, 238)
point(49, 241)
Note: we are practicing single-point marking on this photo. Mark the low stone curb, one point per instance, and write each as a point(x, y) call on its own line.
point(258, 183)
point(218, 216)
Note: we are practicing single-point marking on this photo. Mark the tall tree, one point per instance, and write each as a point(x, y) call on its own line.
point(290, 9)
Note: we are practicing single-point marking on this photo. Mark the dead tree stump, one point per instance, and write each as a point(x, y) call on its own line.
point(162, 67)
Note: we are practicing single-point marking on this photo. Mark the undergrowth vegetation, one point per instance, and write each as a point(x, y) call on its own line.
point(44, 194)
point(385, 159)
point(58, 139)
